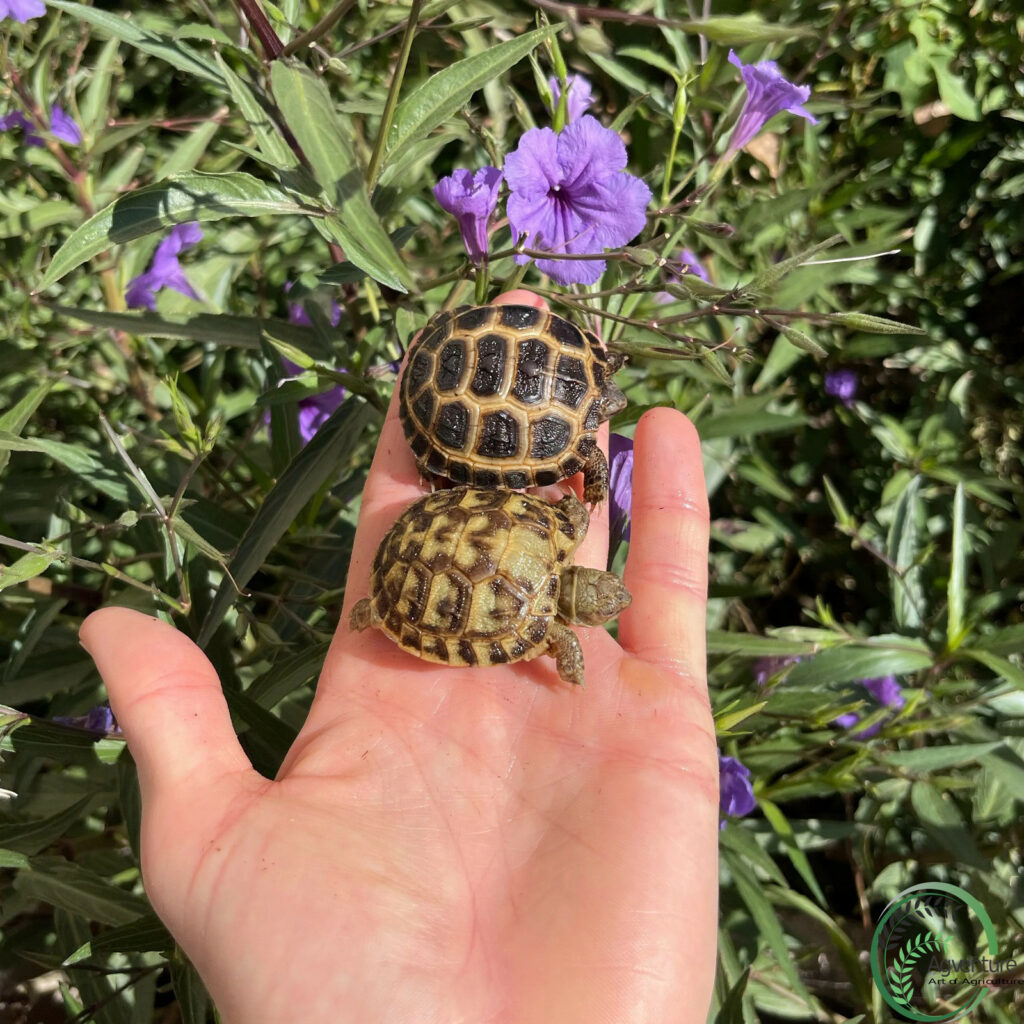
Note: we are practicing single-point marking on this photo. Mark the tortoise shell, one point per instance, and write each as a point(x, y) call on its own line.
point(507, 396)
point(472, 577)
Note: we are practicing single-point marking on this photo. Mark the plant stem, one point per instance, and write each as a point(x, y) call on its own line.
point(261, 28)
point(321, 28)
point(392, 101)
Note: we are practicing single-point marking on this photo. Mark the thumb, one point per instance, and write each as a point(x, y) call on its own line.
point(168, 701)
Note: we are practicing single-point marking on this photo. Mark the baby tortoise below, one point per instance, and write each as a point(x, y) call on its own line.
point(476, 577)
point(509, 396)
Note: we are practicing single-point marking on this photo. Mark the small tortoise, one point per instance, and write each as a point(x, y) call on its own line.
point(509, 396)
point(475, 577)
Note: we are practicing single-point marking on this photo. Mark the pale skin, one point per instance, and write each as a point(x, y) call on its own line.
point(450, 846)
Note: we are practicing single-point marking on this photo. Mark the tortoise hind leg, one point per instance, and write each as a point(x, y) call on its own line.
point(363, 616)
point(595, 478)
point(564, 647)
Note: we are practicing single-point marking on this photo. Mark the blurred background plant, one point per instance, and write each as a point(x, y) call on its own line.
point(203, 458)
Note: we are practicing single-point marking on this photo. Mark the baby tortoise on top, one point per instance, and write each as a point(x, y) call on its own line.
point(509, 396)
point(475, 577)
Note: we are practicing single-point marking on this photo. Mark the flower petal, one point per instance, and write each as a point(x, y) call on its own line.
point(63, 127)
point(588, 152)
point(533, 166)
point(22, 10)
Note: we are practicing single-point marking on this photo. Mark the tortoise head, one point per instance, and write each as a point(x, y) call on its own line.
point(590, 596)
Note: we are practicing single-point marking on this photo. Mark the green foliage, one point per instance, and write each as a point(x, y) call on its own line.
point(154, 458)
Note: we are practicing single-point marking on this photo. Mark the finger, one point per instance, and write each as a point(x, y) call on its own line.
point(168, 702)
point(666, 569)
point(394, 481)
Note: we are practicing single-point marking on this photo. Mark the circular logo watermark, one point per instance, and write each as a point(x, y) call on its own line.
point(923, 954)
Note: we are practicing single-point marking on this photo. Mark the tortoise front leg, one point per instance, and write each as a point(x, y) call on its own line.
point(595, 478)
point(564, 647)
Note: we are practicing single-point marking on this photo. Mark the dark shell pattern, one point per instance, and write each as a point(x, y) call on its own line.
point(503, 396)
point(468, 577)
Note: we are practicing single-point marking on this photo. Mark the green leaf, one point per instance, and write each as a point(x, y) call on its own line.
point(907, 592)
point(177, 200)
point(931, 759)
point(432, 102)
point(720, 641)
point(731, 1009)
point(1008, 640)
point(873, 324)
point(784, 830)
point(14, 420)
point(313, 466)
point(728, 720)
point(740, 29)
point(1002, 667)
point(941, 818)
point(72, 457)
point(27, 567)
point(851, 662)
point(738, 423)
point(32, 836)
point(175, 53)
point(956, 588)
point(799, 339)
point(268, 136)
point(287, 675)
point(310, 115)
point(61, 883)
point(190, 992)
point(11, 859)
point(147, 934)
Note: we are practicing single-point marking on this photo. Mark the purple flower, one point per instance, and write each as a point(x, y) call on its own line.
point(841, 384)
point(471, 198)
point(315, 410)
point(22, 10)
point(620, 463)
point(298, 315)
point(16, 119)
point(768, 93)
point(99, 719)
point(765, 668)
point(887, 692)
point(579, 96)
point(735, 793)
point(571, 194)
point(165, 270)
point(63, 127)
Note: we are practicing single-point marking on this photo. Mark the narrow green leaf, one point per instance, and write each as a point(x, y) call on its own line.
point(803, 341)
point(267, 739)
point(188, 152)
point(147, 934)
point(849, 662)
point(71, 887)
point(287, 675)
point(741, 424)
point(32, 836)
point(720, 641)
point(731, 1009)
point(942, 820)
point(14, 419)
point(784, 830)
point(184, 197)
point(956, 588)
point(1008, 640)
point(310, 115)
point(771, 276)
point(1002, 667)
point(11, 859)
point(268, 136)
point(730, 719)
point(175, 53)
point(72, 457)
point(740, 29)
point(874, 324)
point(27, 567)
point(1007, 768)
point(838, 506)
point(432, 102)
point(190, 992)
point(933, 759)
point(907, 592)
point(296, 486)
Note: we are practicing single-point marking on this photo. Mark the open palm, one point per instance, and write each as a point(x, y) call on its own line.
point(441, 845)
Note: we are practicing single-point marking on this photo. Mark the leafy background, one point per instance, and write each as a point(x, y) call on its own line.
point(877, 538)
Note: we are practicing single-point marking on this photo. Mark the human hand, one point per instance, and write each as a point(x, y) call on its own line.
point(449, 845)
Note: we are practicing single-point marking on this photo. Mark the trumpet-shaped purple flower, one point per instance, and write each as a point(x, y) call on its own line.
point(471, 198)
point(768, 93)
point(165, 270)
point(620, 487)
point(571, 194)
point(99, 719)
point(22, 10)
point(314, 410)
point(735, 793)
point(841, 384)
point(887, 692)
point(579, 97)
point(62, 126)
